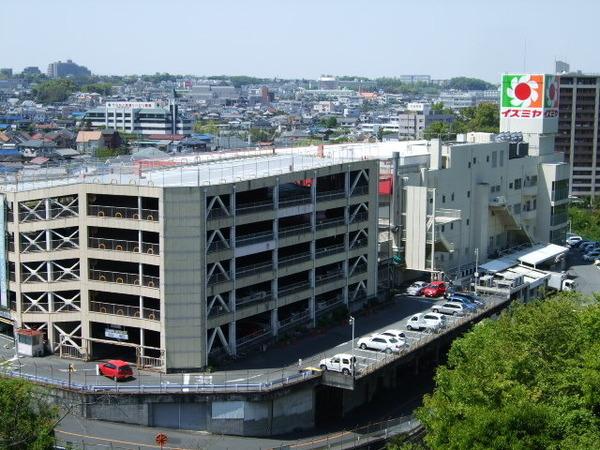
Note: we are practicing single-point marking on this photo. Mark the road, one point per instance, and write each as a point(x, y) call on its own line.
point(585, 273)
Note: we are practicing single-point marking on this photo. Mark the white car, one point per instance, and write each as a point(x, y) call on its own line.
point(341, 362)
point(572, 240)
point(397, 334)
point(426, 321)
point(416, 288)
point(452, 308)
point(379, 342)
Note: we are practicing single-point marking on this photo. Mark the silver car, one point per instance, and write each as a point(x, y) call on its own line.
point(416, 288)
point(451, 308)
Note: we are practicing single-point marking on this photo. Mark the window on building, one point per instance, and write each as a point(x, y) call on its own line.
point(474, 161)
point(452, 197)
point(468, 222)
point(518, 183)
point(487, 158)
point(501, 158)
point(468, 194)
point(443, 199)
point(469, 165)
point(443, 228)
point(494, 159)
point(517, 208)
point(510, 185)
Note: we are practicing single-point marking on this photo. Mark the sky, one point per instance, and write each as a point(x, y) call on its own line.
point(302, 39)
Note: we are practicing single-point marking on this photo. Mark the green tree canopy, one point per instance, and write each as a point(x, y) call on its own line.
point(26, 419)
point(101, 88)
point(329, 122)
point(529, 380)
point(209, 127)
point(52, 91)
point(468, 84)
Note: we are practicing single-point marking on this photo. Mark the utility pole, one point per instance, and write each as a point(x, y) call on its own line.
point(476, 269)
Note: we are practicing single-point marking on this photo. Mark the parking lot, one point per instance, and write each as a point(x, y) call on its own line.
point(585, 273)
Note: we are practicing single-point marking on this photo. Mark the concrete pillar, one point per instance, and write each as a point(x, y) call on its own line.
point(275, 321)
point(232, 338)
point(142, 342)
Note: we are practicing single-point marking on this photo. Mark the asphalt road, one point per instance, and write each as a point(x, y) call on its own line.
point(586, 274)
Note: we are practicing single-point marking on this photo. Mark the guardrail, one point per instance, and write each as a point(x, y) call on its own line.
point(253, 238)
point(121, 245)
point(124, 278)
point(122, 212)
point(124, 310)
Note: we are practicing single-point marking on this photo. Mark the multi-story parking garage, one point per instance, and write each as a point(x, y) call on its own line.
point(172, 266)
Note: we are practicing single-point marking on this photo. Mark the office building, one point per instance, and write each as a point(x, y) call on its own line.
point(61, 69)
point(140, 118)
point(7, 72)
point(170, 267)
point(578, 135)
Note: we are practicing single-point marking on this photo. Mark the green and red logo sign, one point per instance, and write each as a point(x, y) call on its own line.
point(529, 96)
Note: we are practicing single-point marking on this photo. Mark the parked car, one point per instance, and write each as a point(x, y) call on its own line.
point(452, 308)
point(341, 362)
point(435, 289)
point(467, 303)
point(115, 369)
point(592, 255)
point(380, 342)
point(416, 288)
point(397, 334)
point(426, 321)
point(472, 297)
point(573, 240)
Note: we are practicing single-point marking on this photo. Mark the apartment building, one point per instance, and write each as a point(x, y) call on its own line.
point(172, 267)
point(140, 118)
point(578, 134)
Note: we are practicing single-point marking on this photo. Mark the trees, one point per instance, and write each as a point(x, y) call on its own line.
point(468, 84)
point(485, 118)
point(26, 420)
point(529, 380)
point(53, 91)
point(101, 88)
point(209, 127)
point(329, 122)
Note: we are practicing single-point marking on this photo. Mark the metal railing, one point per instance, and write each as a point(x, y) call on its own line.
point(121, 245)
point(253, 238)
point(322, 252)
point(285, 202)
point(294, 319)
point(248, 208)
point(292, 288)
point(329, 223)
point(250, 299)
point(122, 212)
point(327, 277)
point(124, 310)
point(295, 230)
point(218, 278)
point(253, 270)
point(324, 305)
point(124, 278)
point(294, 259)
point(330, 195)
point(216, 246)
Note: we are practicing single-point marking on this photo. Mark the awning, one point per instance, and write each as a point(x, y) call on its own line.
point(548, 252)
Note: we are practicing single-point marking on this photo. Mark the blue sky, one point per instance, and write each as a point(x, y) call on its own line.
point(289, 38)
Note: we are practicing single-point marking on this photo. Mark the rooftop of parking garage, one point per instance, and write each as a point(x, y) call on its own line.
point(199, 170)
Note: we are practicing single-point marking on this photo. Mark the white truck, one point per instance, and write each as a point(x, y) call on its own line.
point(560, 281)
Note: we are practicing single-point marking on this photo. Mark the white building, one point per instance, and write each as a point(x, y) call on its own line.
point(140, 118)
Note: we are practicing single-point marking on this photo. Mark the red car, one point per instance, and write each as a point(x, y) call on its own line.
point(435, 289)
point(115, 369)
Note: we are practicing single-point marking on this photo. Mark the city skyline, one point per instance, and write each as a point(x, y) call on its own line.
point(266, 40)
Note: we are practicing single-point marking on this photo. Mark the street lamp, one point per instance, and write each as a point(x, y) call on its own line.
point(476, 269)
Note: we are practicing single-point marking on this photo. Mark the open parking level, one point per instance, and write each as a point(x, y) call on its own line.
point(297, 357)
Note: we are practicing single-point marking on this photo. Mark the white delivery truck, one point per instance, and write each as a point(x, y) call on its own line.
point(560, 281)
